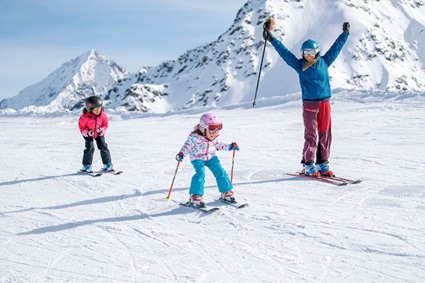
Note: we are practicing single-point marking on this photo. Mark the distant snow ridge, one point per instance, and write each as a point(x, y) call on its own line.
point(66, 87)
point(220, 73)
point(385, 52)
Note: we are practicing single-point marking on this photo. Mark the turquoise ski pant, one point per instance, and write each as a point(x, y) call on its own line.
point(198, 180)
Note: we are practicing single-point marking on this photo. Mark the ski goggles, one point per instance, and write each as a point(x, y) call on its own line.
point(214, 129)
point(311, 52)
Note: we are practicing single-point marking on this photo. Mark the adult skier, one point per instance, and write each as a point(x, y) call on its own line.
point(312, 69)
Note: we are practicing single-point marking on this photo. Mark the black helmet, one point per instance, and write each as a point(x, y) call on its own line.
point(93, 102)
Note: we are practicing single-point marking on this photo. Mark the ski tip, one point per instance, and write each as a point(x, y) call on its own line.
point(90, 173)
point(113, 172)
point(234, 203)
point(242, 205)
point(201, 208)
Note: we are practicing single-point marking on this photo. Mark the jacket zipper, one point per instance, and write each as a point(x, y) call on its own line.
point(207, 150)
point(95, 127)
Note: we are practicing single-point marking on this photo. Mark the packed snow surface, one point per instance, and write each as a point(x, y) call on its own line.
point(60, 226)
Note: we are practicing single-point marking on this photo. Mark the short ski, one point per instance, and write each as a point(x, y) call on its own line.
point(327, 180)
point(93, 174)
point(113, 172)
point(348, 181)
point(201, 208)
point(233, 203)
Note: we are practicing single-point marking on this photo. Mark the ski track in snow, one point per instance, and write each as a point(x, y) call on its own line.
point(60, 226)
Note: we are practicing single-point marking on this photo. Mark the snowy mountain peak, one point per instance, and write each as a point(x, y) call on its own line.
point(88, 74)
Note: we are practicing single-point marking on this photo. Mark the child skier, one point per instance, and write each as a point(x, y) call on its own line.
point(93, 124)
point(201, 146)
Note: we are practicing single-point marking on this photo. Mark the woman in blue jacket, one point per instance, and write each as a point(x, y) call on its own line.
point(313, 75)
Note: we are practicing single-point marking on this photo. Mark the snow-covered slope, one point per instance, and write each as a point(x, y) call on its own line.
point(385, 52)
point(58, 226)
point(66, 87)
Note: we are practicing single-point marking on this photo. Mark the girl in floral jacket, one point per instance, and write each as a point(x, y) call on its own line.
point(93, 124)
point(201, 146)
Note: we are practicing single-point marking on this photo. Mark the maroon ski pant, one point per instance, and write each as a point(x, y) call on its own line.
point(317, 131)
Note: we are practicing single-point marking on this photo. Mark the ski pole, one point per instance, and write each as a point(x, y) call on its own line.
point(269, 25)
point(233, 165)
point(259, 73)
point(172, 182)
point(67, 111)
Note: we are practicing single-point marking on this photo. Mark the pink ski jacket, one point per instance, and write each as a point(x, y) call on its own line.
point(89, 121)
point(199, 147)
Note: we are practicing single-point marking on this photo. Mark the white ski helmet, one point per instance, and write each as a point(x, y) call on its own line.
point(211, 122)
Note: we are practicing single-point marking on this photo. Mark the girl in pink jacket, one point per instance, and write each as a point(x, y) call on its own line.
point(93, 124)
point(201, 146)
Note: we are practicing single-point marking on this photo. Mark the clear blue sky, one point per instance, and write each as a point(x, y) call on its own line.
point(37, 36)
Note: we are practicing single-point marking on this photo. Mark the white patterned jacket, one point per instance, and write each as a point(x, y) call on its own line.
point(199, 147)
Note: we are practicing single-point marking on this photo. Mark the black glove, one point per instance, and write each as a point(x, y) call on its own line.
point(267, 24)
point(267, 34)
point(346, 27)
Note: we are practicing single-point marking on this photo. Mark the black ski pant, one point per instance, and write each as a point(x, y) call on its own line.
point(89, 150)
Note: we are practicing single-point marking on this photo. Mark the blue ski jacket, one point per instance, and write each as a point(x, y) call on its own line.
point(314, 81)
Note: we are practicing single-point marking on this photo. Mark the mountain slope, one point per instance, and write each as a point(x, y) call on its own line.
point(385, 52)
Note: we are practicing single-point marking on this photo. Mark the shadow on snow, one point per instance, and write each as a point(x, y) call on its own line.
point(73, 225)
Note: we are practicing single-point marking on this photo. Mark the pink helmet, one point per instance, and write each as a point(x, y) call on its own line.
point(211, 122)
